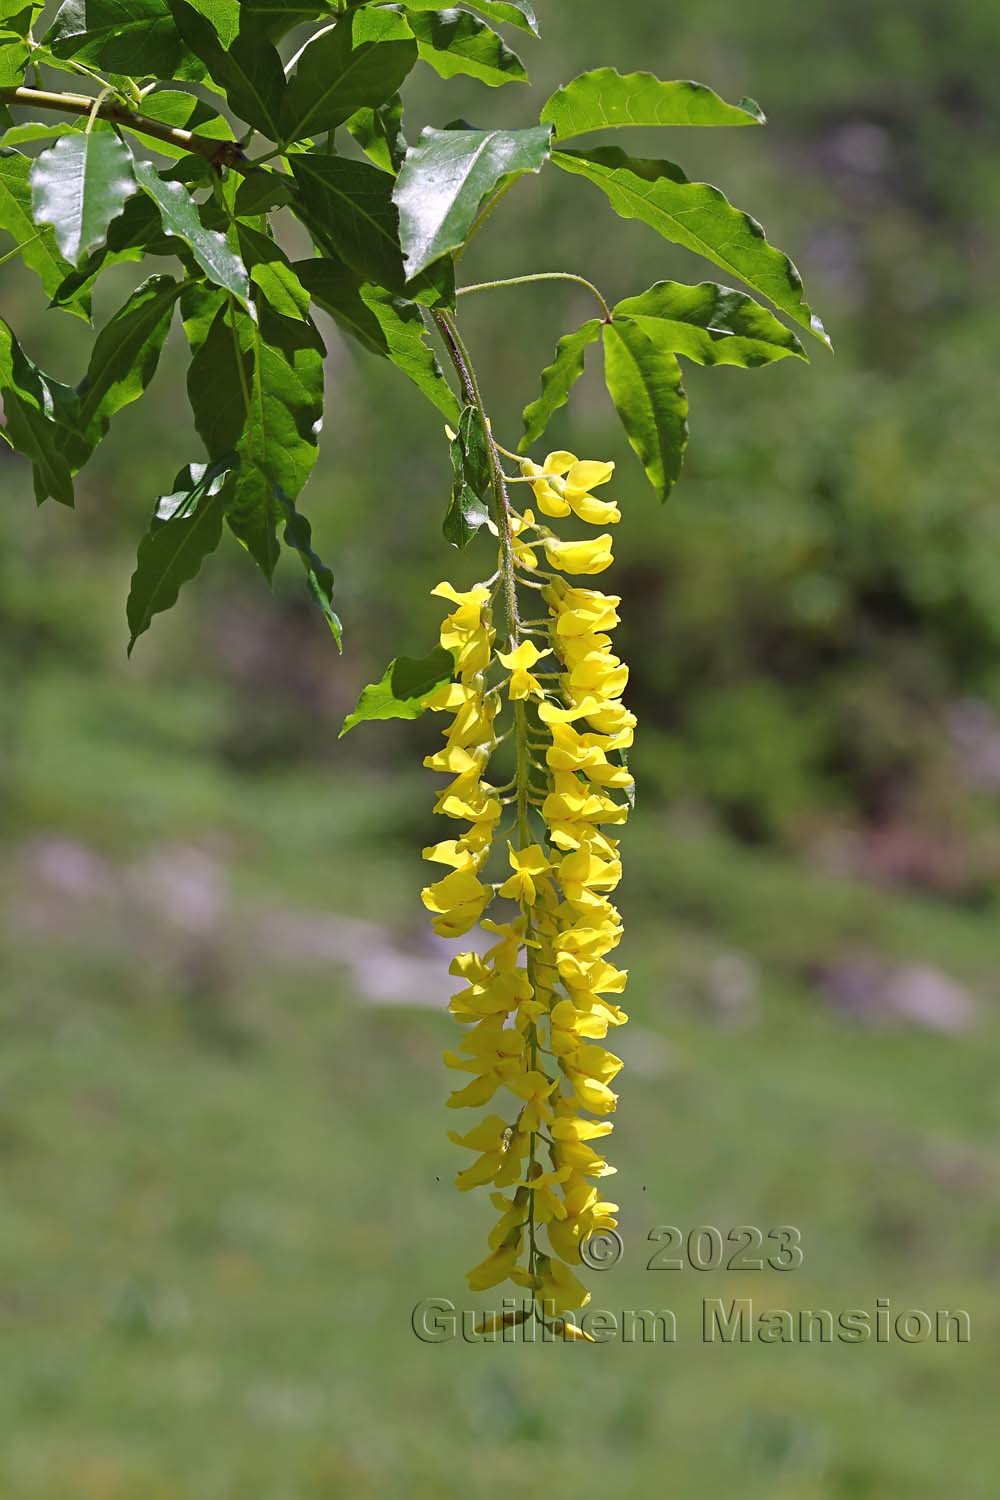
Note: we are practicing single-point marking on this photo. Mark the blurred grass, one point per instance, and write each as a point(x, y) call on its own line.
point(226, 1179)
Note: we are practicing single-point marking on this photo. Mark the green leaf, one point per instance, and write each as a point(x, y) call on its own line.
point(123, 362)
point(468, 509)
point(387, 325)
point(261, 191)
point(14, 55)
point(465, 515)
point(477, 467)
point(200, 304)
point(36, 130)
point(186, 527)
point(298, 536)
point(710, 324)
point(39, 250)
point(697, 216)
point(445, 178)
point(360, 61)
point(179, 216)
point(558, 379)
point(19, 15)
point(135, 37)
point(644, 383)
point(225, 16)
point(36, 409)
point(379, 133)
point(184, 112)
point(249, 69)
point(516, 12)
point(606, 98)
point(277, 17)
point(219, 376)
point(257, 387)
point(276, 281)
point(401, 692)
point(136, 232)
point(79, 186)
point(455, 41)
point(348, 205)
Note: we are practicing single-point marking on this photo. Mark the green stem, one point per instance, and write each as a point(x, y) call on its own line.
point(459, 356)
point(491, 286)
point(18, 248)
point(219, 153)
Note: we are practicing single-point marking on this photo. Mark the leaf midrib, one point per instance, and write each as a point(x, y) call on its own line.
point(357, 55)
point(709, 251)
point(204, 510)
point(152, 311)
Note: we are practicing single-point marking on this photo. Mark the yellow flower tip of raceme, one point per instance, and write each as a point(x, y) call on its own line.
point(533, 1004)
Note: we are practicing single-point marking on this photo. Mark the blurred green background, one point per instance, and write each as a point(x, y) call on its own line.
point(222, 1136)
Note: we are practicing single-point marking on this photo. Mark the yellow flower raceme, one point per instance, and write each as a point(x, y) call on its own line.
point(535, 1005)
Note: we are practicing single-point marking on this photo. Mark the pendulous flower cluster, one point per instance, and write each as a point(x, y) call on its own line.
point(539, 995)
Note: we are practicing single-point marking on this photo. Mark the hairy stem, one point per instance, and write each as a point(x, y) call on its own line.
point(491, 286)
point(459, 356)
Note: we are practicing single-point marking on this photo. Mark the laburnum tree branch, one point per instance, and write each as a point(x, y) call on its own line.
point(114, 112)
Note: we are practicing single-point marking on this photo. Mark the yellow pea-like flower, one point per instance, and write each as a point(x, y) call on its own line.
point(590, 556)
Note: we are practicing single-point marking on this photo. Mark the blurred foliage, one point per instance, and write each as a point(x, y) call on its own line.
point(822, 593)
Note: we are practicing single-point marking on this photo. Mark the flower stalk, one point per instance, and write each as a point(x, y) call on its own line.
point(535, 1002)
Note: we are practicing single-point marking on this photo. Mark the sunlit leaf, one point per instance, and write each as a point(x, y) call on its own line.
point(14, 55)
point(179, 216)
point(79, 186)
point(697, 216)
point(36, 130)
point(400, 693)
point(184, 112)
point(379, 133)
point(249, 69)
point(710, 324)
point(137, 37)
point(39, 249)
point(445, 178)
point(644, 383)
point(277, 17)
point(186, 527)
point(606, 98)
point(455, 41)
point(558, 379)
point(518, 13)
point(359, 62)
